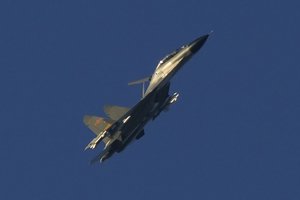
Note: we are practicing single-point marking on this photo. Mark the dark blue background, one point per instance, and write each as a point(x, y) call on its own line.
point(234, 133)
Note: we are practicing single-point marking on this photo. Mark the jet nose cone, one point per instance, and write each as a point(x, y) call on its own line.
point(198, 43)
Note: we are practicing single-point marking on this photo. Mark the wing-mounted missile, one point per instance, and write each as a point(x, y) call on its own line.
point(99, 126)
point(172, 99)
point(96, 140)
point(104, 127)
point(105, 154)
point(165, 106)
point(112, 138)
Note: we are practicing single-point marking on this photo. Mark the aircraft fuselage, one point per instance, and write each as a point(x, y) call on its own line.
point(155, 99)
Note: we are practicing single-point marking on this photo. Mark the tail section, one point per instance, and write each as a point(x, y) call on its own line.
point(100, 126)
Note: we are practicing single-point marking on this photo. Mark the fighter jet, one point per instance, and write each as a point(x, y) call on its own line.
point(124, 125)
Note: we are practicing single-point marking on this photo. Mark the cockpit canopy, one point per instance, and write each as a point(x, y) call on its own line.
point(167, 57)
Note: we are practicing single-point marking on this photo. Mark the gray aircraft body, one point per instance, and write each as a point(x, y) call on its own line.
point(123, 125)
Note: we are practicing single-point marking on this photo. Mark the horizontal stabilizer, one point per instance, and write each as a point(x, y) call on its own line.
point(96, 124)
point(115, 112)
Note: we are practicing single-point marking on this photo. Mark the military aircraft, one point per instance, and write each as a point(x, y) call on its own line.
point(124, 125)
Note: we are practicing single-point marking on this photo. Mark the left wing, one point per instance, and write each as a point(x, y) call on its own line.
point(115, 112)
point(96, 124)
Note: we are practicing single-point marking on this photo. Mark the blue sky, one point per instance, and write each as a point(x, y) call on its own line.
point(234, 133)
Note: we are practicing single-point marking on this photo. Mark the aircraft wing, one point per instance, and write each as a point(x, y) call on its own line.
point(96, 124)
point(115, 112)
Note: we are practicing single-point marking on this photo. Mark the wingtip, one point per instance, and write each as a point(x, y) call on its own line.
point(86, 119)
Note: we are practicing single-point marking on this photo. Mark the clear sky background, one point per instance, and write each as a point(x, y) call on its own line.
point(234, 133)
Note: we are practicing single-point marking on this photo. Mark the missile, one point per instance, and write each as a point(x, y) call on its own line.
point(105, 154)
point(174, 98)
point(165, 106)
point(96, 140)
